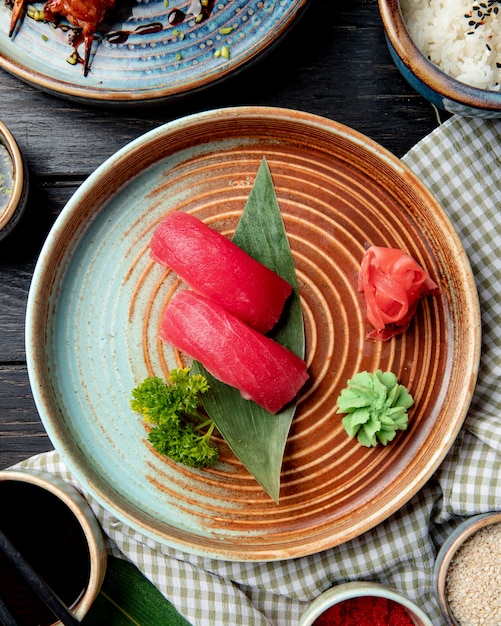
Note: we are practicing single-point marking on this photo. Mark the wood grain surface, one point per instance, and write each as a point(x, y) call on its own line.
point(334, 63)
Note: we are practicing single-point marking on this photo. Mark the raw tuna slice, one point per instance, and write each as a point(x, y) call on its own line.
point(393, 283)
point(215, 267)
point(233, 352)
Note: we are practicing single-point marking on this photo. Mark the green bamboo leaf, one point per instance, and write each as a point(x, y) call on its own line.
point(127, 598)
point(256, 436)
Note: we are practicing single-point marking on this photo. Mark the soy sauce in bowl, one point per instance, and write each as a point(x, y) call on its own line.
point(51, 538)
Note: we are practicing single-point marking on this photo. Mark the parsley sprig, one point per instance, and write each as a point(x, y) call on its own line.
point(179, 429)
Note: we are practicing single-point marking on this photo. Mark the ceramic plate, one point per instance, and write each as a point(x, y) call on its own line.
point(96, 299)
point(148, 64)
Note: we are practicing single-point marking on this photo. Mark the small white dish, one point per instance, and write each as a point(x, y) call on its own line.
point(13, 182)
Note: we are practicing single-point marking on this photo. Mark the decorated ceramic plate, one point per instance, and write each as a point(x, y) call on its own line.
point(96, 300)
point(148, 50)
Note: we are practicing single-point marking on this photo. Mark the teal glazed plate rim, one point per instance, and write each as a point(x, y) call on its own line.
point(97, 297)
point(150, 59)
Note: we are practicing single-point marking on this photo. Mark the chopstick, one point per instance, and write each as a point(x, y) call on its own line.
point(6, 617)
point(36, 583)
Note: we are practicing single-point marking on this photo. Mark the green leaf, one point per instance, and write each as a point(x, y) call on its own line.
point(129, 598)
point(256, 436)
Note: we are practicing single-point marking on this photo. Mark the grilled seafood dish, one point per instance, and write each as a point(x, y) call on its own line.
point(86, 17)
point(83, 15)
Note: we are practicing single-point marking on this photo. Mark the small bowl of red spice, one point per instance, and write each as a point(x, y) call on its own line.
point(363, 604)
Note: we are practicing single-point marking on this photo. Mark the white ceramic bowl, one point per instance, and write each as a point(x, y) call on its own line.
point(347, 591)
point(447, 552)
point(48, 520)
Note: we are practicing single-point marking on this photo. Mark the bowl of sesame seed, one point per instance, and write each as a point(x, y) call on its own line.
point(467, 573)
point(449, 51)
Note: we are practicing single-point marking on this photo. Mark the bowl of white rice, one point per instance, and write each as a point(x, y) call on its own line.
point(467, 573)
point(449, 51)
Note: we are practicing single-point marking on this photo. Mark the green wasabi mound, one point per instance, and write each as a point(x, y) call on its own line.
point(375, 406)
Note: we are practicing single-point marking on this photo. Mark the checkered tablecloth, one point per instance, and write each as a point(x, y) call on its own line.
point(461, 163)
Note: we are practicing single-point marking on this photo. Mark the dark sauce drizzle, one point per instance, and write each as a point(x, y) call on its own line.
point(196, 9)
point(121, 36)
point(200, 12)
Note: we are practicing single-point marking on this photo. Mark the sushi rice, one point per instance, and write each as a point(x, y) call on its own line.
point(461, 37)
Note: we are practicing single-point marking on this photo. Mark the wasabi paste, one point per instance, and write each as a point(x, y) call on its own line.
point(376, 407)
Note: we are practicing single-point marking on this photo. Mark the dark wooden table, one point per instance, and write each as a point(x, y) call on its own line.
point(334, 63)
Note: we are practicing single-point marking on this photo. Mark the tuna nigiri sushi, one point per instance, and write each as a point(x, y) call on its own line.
point(393, 283)
point(215, 267)
point(261, 369)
